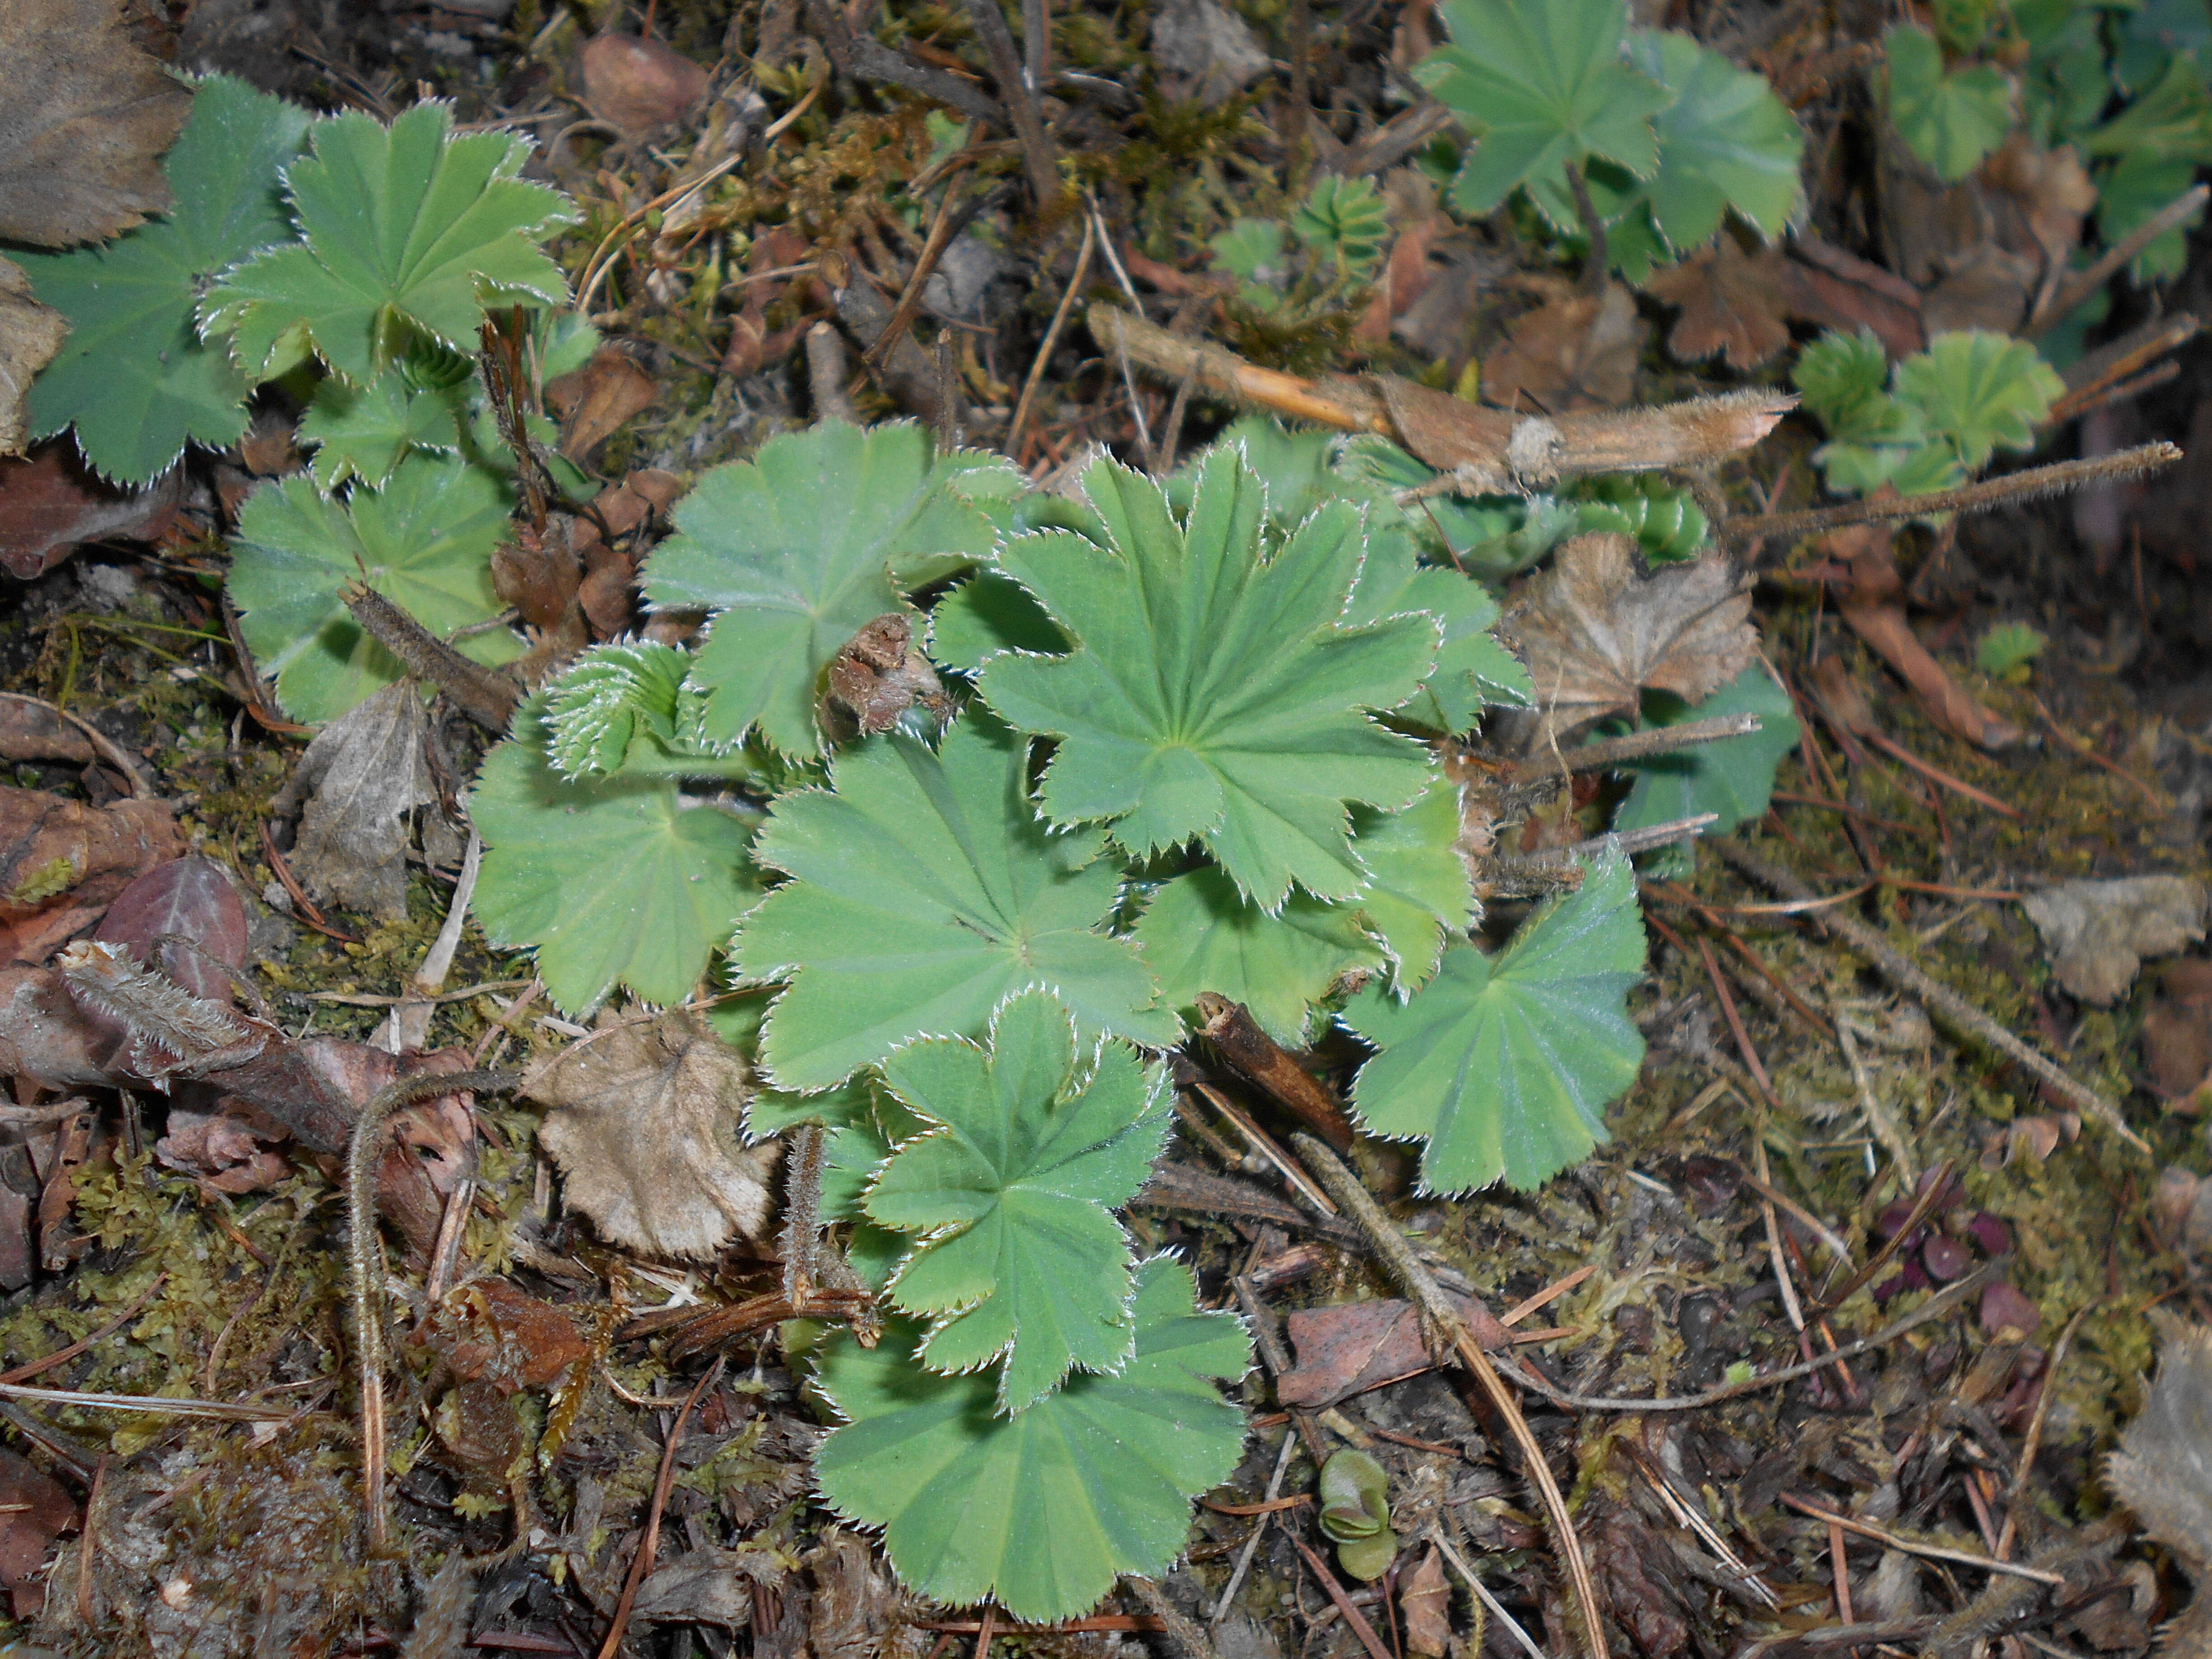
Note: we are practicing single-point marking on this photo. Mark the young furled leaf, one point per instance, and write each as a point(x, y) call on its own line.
point(1200, 934)
point(1843, 379)
point(1504, 1065)
point(1979, 392)
point(607, 879)
point(1667, 524)
point(409, 232)
point(1042, 1509)
point(925, 892)
point(1542, 85)
point(629, 706)
point(424, 542)
point(1212, 693)
point(1733, 777)
point(1949, 121)
point(133, 375)
point(799, 548)
point(1013, 1191)
point(1344, 221)
point(365, 432)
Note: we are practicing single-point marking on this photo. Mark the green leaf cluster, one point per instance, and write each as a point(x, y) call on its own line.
point(1934, 420)
point(1666, 136)
point(1336, 245)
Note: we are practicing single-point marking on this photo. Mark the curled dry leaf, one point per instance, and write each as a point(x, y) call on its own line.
point(1576, 353)
point(1596, 635)
point(594, 401)
point(645, 1125)
point(84, 117)
point(877, 676)
point(638, 85)
point(62, 862)
point(232, 1148)
point(52, 503)
point(30, 335)
point(1734, 304)
point(1357, 1346)
point(2163, 1472)
point(1425, 1603)
point(487, 1331)
point(362, 779)
point(2097, 933)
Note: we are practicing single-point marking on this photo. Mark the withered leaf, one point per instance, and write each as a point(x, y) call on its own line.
point(487, 1331)
point(1576, 353)
point(84, 117)
point(62, 861)
point(2097, 933)
point(30, 335)
point(190, 900)
point(1596, 635)
point(34, 1511)
point(646, 1128)
point(362, 778)
point(594, 401)
point(2163, 1472)
point(2177, 1034)
point(1424, 1600)
point(638, 85)
point(1733, 303)
point(52, 503)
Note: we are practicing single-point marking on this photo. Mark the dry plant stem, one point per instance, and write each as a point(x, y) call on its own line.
point(1258, 1139)
point(1355, 1619)
point(649, 1545)
point(1879, 1122)
point(2031, 1442)
point(866, 58)
point(825, 375)
point(1968, 498)
point(2121, 391)
point(1014, 91)
point(1913, 1547)
point(1235, 1037)
point(1252, 1544)
point(1391, 142)
point(1595, 258)
point(1440, 1318)
point(1219, 373)
point(1529, 875)
point(1937, 998)
point(484, 694)
point(1051, 337)
point(1481, 1594)
point(365, 1262)
point(2080, 288)
point(2104, 371)
point(163, 1405)
point(1636, 745)
point(1188, 1639)
point(1270, 1343)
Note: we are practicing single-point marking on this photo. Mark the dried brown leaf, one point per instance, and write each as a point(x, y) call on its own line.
point(1596, 635)
point(594, 401)
point(639, 85)
point(362, 779)
point(186, 917)
point(2177, 1034)
point(1826, 286)
point(645, 1125)
point(30, 335)
point(232, 1148)
point(1425, 1603)
point(1576, 353)
point(1353, 1346)
point(52, 503)
point(1733, 303)
point(488, 1331)
point(62, 862)
point(2163, 1472)
point(2097, 933)
point(84, 117)
point(34, 1511)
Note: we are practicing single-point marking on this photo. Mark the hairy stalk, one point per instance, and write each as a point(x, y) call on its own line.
point(1636, 745)
point(365, 1262)
point(1438, 1316)
point(1970, 498)
point(484, 694)
point(1938, 999)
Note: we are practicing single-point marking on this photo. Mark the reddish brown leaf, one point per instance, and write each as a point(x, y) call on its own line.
point(1425, 1604)
point(1835, 290)
point(638, 85)
point(2177, 1035)
point(594, 401)
point(490, 1332)
point(1576, 353)
point(62, 862)
point(231, 1148)
point(34, 1511)
point(1733, 303)
point(191, 898)
point(30, 335)
point(50, 504)
point(1358, 1346)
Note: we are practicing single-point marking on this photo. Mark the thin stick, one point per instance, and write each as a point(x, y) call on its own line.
point(1051, 339)
point(2103, 370)
point(1969, 498)
point(1252, 1544)
point(1021, 103)
point(1936, 774)
point(1237, 1038)
point(1937, 998)
point(2034, 1442)
point(649, 1545)
point(909, 300)
point(1352, 1615)
point(1481, 1594)
point(219, 1411)
point(1636, 745)
point(1922, 1206)
point(2122, 252)
point(134, 775)
point(1258, 1139)
point(2086, 751)
point(1879, 1124)
point(1913, 1547)
point(1440, 1318)
point(825, 374)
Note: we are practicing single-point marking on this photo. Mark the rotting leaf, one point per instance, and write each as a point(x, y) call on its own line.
point(84, 113)
point(2163, 1472)
point(30, 335)
point(1596, 635)
point(62, 861)
point(33, 1511)
point(2177, 1035)
point(1576, 353)
point(190, 900)
point(1425, 1604)
point(647, 1124)
point(51, 504)
point(2097, 933)
point(362, 779)
point(1012, 1188)
point(1734, 304)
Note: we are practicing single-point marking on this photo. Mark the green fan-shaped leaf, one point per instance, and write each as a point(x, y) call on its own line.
point(1504, 1065)
point(1843, 379)
point(1044, 1509)
point(1346, 221)
point(1733, 777)
point(424, 542)
point(409, 231)
point(134, 375)
point(1473, 670)
point(1979, 392)
point(365, 432)
point(1725, 142)
point(1211, 694)
point(607, 879)
point(1949, 121)
point(988, 614)
point(799, 548)
point(1013, 1190)
point(2007, 646)
point(1542, 85)
point(925, 892)
point(1200, 934)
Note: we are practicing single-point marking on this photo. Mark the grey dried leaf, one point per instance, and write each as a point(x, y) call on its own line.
point(2163, 1472)
point(363, 778)
point(646, 1128)
point(2097, 933)
point(84, 117)
point(30, 334)
point(1596, 635)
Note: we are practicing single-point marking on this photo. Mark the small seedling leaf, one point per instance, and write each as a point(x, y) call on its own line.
point(1979, 392)
point(1948, 121)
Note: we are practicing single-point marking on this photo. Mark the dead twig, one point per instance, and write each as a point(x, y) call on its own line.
point(1188, 1639)
point(1914, 1546)
point(1051, 338)
point(1019, 99)
point(2100, 271)
point(1936, 998)
point(1238, 1039)
point(825, 375)
point(641, 1562)
point(1442, 1320)
point(1636, 745)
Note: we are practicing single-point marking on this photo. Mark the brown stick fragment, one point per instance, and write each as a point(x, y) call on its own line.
point(904, 371)
point(484, 694)
point(2111, 364)
point(1443, 1322)
point(866, 58)
point(1391, 142)
point(1938, 999)
point(1637, 746)
point(1237, 1038)
point(1969, 498)
point(825, 375)
point(641, 1563)
point(1188, 1639)
point(2120, 253)
point(1015, 92)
